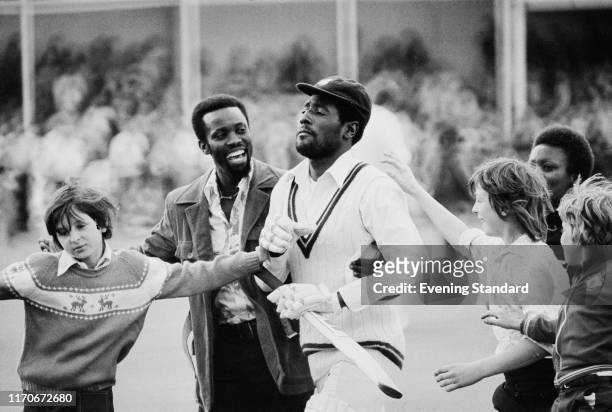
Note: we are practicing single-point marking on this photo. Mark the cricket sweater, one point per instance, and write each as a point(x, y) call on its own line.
point(352, 206)
point(81, 324)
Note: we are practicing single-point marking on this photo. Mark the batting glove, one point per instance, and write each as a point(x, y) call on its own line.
point(294, 299)
point(280, 232)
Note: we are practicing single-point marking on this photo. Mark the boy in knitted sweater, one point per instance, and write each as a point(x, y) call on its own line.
point(86, 305)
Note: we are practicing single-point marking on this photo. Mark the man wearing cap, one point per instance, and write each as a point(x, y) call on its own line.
point(348, 204)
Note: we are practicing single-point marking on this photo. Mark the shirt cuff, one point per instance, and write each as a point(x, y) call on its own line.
point(525, 325)
point(335, 302)
point(351, 293)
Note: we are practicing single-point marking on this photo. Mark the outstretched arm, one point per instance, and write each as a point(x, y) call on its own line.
point(538, 328)
point(459, 375)
point(5, 291)
point(12, 281)
point(506, 320)
point(190, 278)
point(448, 224)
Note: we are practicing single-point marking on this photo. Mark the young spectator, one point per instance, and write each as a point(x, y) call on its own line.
point(86, 305)
point(582, 333)
point(511, 201)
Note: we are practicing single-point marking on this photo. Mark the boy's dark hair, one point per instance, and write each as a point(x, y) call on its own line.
point(575, 146)
point(515, 190)
point(69, 199)
point(210, 104)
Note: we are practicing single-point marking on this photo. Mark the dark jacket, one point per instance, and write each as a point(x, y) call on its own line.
point(583, 332)
point(184, 234)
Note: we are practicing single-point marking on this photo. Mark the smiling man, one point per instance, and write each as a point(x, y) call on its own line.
point(243, 359)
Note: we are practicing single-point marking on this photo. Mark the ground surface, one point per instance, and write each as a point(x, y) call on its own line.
point(156, 376)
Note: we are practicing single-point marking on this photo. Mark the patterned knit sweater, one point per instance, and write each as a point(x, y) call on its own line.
point(81, 324)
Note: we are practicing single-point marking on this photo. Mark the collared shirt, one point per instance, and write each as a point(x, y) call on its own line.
point(383, 216)
point(231, 304)
point(355, 206)
point(66, 261)
point(531, 260)
point(317, 193)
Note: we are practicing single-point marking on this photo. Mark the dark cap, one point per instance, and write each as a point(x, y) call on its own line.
point(348, 92)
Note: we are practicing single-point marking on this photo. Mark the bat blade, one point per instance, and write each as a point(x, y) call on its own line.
point(345, 344)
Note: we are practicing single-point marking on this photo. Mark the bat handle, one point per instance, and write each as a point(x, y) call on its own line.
point(273, 282)
point(288, 329)
point(269, 279)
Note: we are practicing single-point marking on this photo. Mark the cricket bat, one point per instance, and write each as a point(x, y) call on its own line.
point(344, 343)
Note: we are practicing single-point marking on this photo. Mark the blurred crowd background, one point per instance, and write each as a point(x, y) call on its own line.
point(107, 95)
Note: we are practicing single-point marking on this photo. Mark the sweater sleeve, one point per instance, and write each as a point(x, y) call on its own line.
point(540, 329)
point(192, 278)
point(8, 276)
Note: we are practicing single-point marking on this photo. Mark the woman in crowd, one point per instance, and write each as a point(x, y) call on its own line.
point(561, 155)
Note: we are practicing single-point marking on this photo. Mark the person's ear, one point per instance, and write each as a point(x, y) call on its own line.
point(350, 130)
point(204, 147)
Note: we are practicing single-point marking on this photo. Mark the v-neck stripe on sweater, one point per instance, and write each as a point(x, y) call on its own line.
point(306, 243)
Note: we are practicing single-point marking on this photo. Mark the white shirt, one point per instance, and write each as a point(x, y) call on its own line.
point(314, 195)
point(66, 261)
point(382, 212)
point(538, 265)
point(372, 208)
point(231, 304)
